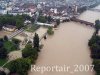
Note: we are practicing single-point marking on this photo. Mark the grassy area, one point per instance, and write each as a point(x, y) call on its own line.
point(3, 61)
point(32, 28)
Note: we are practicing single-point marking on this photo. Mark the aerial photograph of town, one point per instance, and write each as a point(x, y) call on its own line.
point(49, 37)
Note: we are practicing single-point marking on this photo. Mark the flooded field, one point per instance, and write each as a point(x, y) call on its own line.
point(3, 33)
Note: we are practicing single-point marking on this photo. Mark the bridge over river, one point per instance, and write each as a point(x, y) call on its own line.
point(83, 22)
point(97, 10)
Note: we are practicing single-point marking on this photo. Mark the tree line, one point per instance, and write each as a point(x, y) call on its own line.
point(94, 44)
point(17, 20)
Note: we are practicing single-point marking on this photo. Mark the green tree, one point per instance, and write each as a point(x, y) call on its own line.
point(97, 25)
point(10, 46)
point(96, 64)
point(30, 52)
point(2, 73)
point(1, 43)
point(94, 39)
point(3, 53)
point(20, 66)
point(28, 46)
point(19, 24)
point(36, 41)
point(49, 19)
point(5, 38)
point(26, 17)
point(50, 31)
point(16, 41)
point(42, 19)
point(58, 21)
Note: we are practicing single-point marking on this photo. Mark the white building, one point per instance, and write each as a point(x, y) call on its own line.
point(9, 28)
point(45, 24)
point(3, 11)
point(20, 13)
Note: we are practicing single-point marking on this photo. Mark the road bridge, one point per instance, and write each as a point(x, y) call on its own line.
point(97, 10)
point(82, 22)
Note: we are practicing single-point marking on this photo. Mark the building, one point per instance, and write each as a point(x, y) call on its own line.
point(27, 22)
point(9, 28)
point(75, 9)
point(3, 11)
point(45, 24)
point(15, 12)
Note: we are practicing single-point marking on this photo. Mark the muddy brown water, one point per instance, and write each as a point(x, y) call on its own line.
point(68, 46)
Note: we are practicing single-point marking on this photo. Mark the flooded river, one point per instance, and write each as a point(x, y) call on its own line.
point(68, 46)
point(90, 15)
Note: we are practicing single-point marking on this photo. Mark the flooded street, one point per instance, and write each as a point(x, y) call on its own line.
point(68, 46)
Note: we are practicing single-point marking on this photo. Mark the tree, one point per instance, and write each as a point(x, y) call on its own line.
point(26, 17)
point(2, 73)
point(16, 41)
point(97, 25)
point(94, 39)
point(28, 46)
point(96, 64)
point(42, 19)
point(49, 19)
point(10, 46)
point(3, 53)
point(28, 51)
point(1, 44)
point(50, 31)
point(58, 21)
point(1, 40)
point(5, 38)
point(20, 66)
point(19, 23)
point(36, 41)
point(95, 51)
